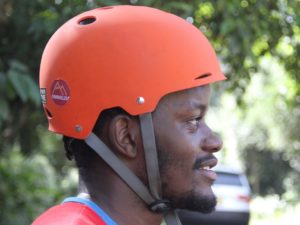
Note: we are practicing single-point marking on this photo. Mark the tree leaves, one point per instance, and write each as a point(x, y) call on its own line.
point(24, 86)
point(4, 110)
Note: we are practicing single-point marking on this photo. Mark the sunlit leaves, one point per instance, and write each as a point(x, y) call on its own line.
point(205, 11)
point(260, 46)
point(249, 30)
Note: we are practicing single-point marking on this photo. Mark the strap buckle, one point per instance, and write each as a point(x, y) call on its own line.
point(160, 206)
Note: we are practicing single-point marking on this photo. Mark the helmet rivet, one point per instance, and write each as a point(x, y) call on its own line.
point(78, 128)
point(140, 100)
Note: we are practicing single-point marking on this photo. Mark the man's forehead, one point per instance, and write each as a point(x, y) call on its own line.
point(196, 97)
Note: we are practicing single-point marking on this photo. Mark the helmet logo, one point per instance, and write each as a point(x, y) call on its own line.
point(60, 92)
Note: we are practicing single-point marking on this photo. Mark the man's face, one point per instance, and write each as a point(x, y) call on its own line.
point(185, 146)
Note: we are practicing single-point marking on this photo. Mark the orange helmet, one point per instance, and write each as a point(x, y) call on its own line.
point(120, 56)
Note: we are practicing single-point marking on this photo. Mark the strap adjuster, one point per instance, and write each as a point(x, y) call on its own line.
point(160, 206)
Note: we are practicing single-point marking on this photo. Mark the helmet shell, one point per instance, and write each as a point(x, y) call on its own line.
point(120, 56)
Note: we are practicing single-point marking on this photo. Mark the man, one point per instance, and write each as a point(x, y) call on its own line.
point(128, 87)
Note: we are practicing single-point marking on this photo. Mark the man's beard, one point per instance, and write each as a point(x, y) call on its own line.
point(192, 201)
point(188, 200)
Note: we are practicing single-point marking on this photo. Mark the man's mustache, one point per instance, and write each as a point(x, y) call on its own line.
point(199, 161)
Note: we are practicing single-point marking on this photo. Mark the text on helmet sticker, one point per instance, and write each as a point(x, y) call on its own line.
point(43, 95)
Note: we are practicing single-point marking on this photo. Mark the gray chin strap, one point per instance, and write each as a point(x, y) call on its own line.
point(153, 197)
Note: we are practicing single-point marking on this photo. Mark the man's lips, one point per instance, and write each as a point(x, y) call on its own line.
point(205, 162)
point(204, 165)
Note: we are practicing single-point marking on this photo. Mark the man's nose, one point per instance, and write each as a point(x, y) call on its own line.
point(212, 142)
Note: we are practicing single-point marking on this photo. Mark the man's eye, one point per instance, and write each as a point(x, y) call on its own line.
point(195, 122)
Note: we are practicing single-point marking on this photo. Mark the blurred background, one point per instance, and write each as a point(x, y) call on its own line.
point(256, 110)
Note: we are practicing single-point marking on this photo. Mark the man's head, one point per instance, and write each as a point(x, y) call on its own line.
point(184, 143)
point(151, 64)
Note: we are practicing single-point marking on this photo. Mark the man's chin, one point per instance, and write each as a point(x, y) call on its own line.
point(194, 202)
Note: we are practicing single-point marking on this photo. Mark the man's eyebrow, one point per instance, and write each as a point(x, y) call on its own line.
point(197, 105)
point(193, 107)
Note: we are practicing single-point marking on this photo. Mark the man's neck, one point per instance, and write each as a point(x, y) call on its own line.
point(122, 204)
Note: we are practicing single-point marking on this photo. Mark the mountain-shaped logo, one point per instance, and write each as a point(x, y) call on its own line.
point(60, 92)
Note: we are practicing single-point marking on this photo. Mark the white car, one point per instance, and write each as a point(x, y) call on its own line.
point(233, 194)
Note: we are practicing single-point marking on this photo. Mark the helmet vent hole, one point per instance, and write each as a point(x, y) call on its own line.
point(87, 21)
point(203, 76)
point(48, 113)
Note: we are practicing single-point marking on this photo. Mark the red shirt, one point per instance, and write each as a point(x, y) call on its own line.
point(74, 211)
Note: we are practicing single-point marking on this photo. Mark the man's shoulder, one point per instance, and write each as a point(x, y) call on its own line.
point(69, 213)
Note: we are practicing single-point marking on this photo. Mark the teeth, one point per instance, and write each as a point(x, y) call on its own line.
point(205, 168)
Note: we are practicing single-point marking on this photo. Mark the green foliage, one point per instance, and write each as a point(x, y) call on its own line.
point(29, 185)
point(262, 166)
point(258, 43)
point(266, 133)
point(23, 85)
point(250, 37)
point(245, 31)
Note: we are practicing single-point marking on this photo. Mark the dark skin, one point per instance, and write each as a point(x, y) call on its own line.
point(185, 145)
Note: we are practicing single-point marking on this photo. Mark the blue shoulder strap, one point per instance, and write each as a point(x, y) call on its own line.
point(92, 206)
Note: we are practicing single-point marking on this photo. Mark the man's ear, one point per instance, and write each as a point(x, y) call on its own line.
point(123, 134)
